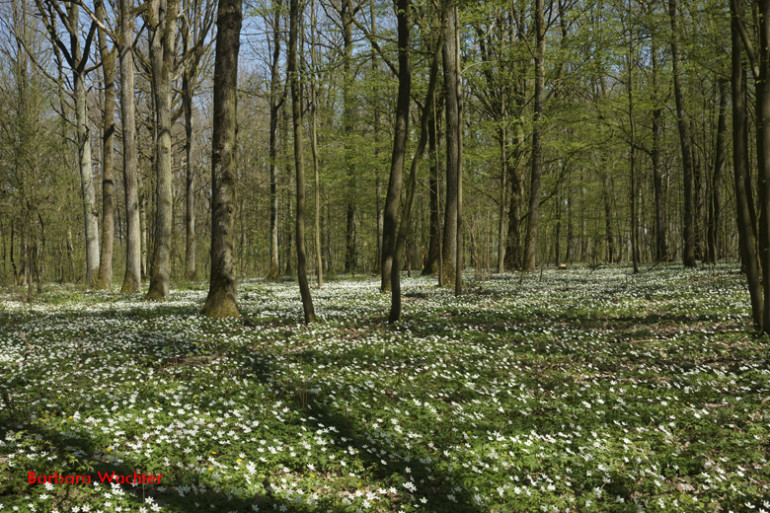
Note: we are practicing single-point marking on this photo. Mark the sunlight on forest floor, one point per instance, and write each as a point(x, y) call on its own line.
point(576, 390)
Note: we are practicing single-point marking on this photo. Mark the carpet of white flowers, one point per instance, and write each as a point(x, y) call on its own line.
point(572, 390)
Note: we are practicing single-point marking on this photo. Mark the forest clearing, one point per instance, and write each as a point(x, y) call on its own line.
point(578, 390)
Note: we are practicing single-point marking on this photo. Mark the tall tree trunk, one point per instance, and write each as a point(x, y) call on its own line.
point(90, 212)
point(190, 269)
point(537, 144)
point(632, 155)
point(426, 119)
point(431, 262)
point(276, 99)
point(503, 134)
point(393, 197)
point(314, 146)
point(718, 176)
point(659, 184)
point(452, 113)
point(222, 298)
point(688, 251)
point(163, 20)
point(763, 155)
point(104, 280)
point(460, 246)
point(346, 15)
point(744, 197)
point(299, 162)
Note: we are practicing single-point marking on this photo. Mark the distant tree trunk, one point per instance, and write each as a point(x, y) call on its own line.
point(222, 298)
point(276, 99)
point(607, 201)
point(537, 144)
point(452, 108)
point(104, 280)
point(661, 246)
point(688, 251)
point(632, 155)
point(431, 262)
point(390, 257)
point(299, 162)
point(190, 270)
point(162, 22)
point(503, 134)
point(346, 16)
point(744, 197)
point(718, 177)
point(314, 146)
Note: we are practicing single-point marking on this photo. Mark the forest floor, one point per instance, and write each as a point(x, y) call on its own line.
point(573, 390)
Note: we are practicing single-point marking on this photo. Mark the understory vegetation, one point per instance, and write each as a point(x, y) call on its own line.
point(578, 390)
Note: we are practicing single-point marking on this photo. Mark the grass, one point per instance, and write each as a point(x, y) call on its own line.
point(590, 391)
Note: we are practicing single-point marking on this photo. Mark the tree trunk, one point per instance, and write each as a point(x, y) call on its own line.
point(632, 155)
point(314, 146)
point(222, 299)
point(190, 269)
point(537, 144)
point(346, 14)
point(718, 177)
point(276, 99)
point(104, 280)
point(763, 157)
point(162, 53)
point(688, 251)
point(452, 109)
point(393, 197)
point(299, 163)
point(431, 262)
point(661, 246)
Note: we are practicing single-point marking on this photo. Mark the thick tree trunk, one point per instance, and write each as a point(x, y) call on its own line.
point(744, 197)
point(763, 155)
point(715, 200)
point(632, 155)
point(222, 299)
point(688, 251)
point(393, 197)
point(299, 163)
point(537, 144)
point(104, 280)
point(162, 45)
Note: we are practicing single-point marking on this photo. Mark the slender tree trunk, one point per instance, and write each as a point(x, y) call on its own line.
point(314, 146)
point(503, 134)
point(104, 280)
point(763, 157)
point(299, 162)
point(347, 121)
point(190, 269)
point(688, 251)
point(632, 155)
point(90, 211)
point(452, 109)
point(426, 119)
point(537, 144)
point(276, 100)
point(222, 298)
point(718, 177)
point(661, 246)
point(393, 197)
point(431, 262)
point(460, 246)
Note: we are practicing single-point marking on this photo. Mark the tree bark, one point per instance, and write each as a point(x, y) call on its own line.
point(452, 113)
point(276, 100)
point(688, 251)
point(393, 197)
point(314, 147)
point(747, 237)
point(104, 280)
point(537, 144)
point(222, 299)
point(299, 163)
point(718, 176)
point(659, 184)
point(162, 22)
point(346, 15)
